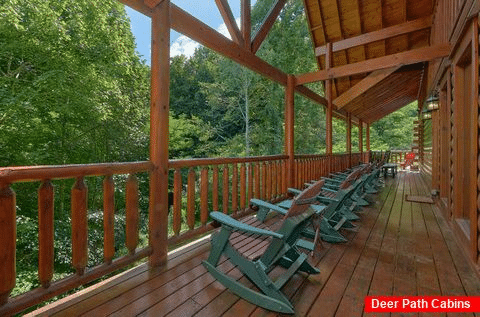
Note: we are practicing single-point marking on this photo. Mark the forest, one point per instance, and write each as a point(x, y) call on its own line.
point(75, 91)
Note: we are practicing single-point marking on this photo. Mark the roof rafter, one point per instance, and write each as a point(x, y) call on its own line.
point(198, 31)
point(246, 22)
point(365, 84)
point(341, 82)
point(407, 27)
point(229, 20)
point(267, 24)
point(414, 56)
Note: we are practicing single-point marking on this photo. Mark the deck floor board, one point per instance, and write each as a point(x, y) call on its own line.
point(398, 248)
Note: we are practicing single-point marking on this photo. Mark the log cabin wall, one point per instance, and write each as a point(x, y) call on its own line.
point(450, 147)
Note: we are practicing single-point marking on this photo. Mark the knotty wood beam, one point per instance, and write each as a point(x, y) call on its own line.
point(267, 24)
point(246, 23)
point(414, 56)
point(366, 83)
point(229, 20)
point(159, 110)
point(382, 34)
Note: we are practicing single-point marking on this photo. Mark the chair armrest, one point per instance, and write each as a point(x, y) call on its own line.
point(294, 191)
point(326, 200)
point(330, 189)
point(261, 203)
point(306, 201)
point(237, 225)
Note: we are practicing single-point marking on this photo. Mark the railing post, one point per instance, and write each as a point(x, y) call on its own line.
point(108, 219)
point(290, 130)
point(132, 215)
point(79, 226)
point(8, 245)
point(45, 233)
point(177, 201)
point(159, 109)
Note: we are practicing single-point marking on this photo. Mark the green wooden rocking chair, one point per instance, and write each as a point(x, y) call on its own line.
point(282, 250)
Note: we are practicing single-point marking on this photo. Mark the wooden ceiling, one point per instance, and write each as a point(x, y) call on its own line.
point(360, 30)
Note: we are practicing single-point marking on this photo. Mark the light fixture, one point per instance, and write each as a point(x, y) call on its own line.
point(432, 103)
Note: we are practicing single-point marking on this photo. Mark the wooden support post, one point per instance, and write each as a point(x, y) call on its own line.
point(349, 138)
point(9, 237)
point(329, 109)
point(367, 137)
point(289, 129)
point(159, 108)
point(360, 138)
point(474, 143)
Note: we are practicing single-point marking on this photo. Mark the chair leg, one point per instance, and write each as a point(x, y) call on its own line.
point(328, 234)
point(256, 298)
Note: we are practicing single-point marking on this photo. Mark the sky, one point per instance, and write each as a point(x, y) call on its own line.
point(204, 10)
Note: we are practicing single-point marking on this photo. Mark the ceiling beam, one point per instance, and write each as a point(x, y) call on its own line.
point(229, 20)
point(361, 87)
point(382, 34)
point(414, 56)
point(267, 24)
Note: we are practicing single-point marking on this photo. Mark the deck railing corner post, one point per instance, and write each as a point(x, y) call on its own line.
point(8, 245)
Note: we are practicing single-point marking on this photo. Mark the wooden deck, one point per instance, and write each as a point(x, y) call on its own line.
point(400, 248)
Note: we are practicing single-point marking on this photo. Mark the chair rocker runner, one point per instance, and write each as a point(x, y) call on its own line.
point(282, 250)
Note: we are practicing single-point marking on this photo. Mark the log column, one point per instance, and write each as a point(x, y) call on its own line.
point(289, 129)
point(349, 138)
point(367, 131)
point(360, 138)
point(159, 108)
point(329, 110)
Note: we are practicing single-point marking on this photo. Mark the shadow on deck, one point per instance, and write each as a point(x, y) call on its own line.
point(400, 248)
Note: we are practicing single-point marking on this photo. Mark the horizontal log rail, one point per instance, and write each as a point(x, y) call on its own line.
point(36, 173)
point(225, 160)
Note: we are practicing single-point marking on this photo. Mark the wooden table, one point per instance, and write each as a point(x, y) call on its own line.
point(389, 168)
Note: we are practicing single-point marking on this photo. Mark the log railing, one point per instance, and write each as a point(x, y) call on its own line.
point(196, 186)
point(79, 226)
point(313, 167)
point(199, 186)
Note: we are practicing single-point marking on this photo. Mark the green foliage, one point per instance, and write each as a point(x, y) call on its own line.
point(395, 131)
point(70, 81)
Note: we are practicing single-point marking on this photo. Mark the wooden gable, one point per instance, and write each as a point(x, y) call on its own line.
point(360, 30)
